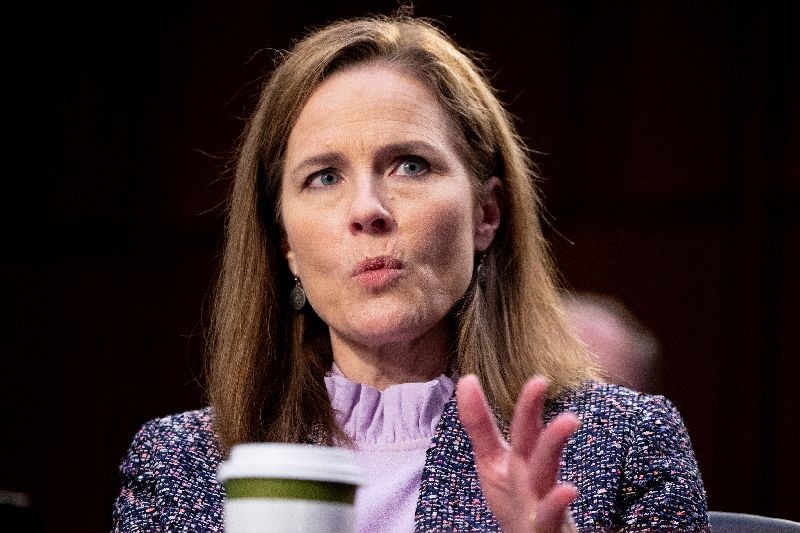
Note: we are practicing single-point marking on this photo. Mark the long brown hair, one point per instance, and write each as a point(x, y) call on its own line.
point(266, 362)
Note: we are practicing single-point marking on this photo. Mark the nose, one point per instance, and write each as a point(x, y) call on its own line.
point(368, 212)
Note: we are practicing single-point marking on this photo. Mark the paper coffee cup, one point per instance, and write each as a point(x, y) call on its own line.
point(289, 488)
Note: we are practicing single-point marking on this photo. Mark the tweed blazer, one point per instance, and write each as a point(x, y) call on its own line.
point(631, 460)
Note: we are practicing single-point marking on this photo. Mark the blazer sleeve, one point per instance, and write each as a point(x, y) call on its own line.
point(135, 508)
point(663, 490)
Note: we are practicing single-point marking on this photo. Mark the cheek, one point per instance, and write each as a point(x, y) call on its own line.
point(312, 246)
point(317, 261)
point(445, 232)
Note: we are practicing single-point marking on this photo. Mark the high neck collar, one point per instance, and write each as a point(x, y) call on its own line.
point(400, 413)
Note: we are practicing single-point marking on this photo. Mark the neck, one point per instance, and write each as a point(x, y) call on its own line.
point(381, 366)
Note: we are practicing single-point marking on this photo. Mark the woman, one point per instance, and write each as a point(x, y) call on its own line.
point(383, 239)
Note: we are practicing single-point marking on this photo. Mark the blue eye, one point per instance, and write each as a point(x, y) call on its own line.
point(322, 179)
point(412, 166)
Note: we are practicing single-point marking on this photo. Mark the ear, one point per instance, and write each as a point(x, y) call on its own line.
point(288, 254)
point(487, 213)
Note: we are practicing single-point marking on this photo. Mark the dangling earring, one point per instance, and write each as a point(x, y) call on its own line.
point(480, 270)
point(297, 297)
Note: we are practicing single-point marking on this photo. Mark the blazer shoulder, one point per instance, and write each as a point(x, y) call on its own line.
point(179, 442)
point(179, 439)
point(615, 406)
point(169, 476)
point(190, 424)
point(640, 457)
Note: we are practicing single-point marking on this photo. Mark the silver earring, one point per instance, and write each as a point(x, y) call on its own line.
point(480, 273)
point(297, 297)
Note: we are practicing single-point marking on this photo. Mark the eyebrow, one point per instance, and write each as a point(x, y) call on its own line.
point(388, 151)
point(327, 159)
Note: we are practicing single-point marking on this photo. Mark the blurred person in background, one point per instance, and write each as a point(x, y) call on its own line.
point(626, 352)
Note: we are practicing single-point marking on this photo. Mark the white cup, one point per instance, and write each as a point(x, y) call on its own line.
point(289, 488)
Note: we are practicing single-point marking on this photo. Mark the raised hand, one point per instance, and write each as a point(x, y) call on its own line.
point(520, 480)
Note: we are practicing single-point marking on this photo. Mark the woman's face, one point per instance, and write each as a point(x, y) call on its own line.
point(378, 208)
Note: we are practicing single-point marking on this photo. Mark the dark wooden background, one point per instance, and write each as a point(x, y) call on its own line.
point(670, 145)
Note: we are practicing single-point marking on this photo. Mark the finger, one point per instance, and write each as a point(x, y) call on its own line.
point(527, 423)
point(551, 513)
point(546, 456)
point(477, 419)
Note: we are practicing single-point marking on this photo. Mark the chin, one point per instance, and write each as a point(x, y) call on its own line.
point(379, 333)
point(375, 327)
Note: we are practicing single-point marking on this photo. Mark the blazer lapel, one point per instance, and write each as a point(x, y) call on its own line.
point(450, 495)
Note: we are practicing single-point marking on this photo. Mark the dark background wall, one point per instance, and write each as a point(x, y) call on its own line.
point(670, 137)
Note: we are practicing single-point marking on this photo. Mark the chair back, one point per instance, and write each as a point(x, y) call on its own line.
point(749, 523)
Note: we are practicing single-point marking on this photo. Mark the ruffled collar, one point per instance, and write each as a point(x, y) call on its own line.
point(400, 413)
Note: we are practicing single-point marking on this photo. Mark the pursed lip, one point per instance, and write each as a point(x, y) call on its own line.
point(377, 263)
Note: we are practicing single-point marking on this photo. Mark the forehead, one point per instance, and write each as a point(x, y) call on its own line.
point(368, 104)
